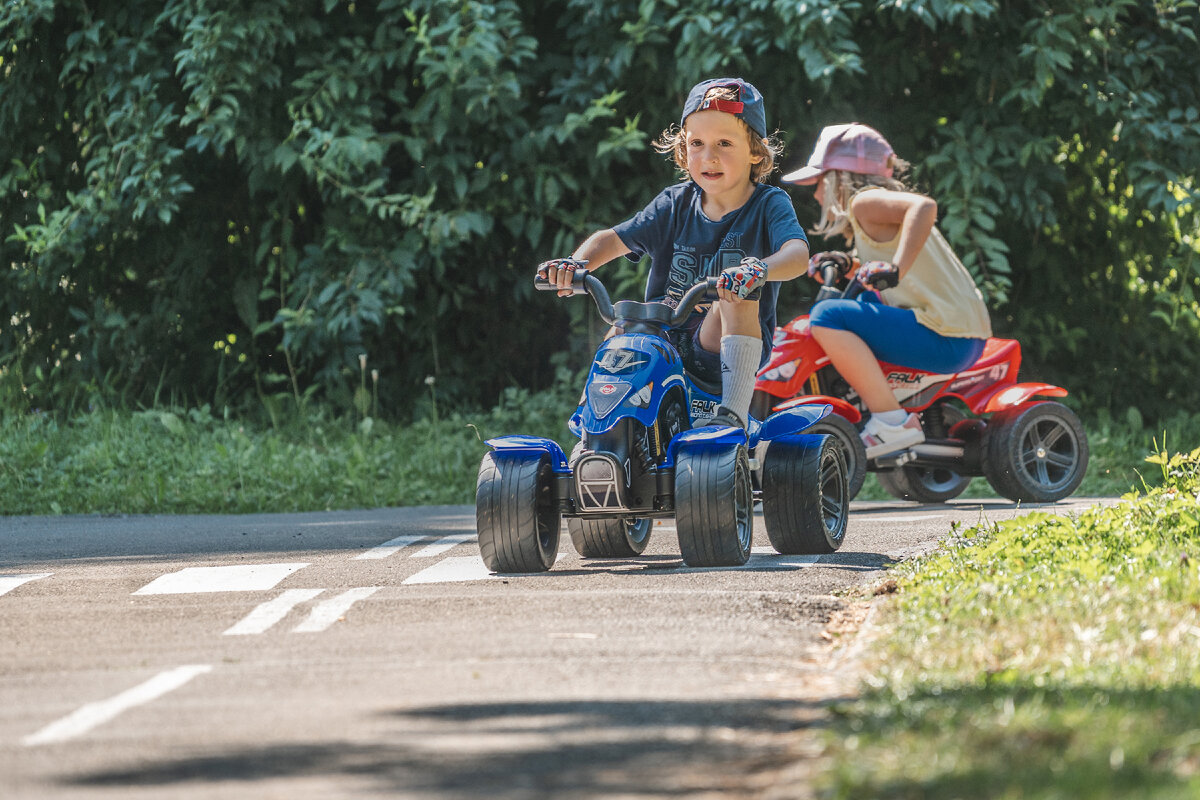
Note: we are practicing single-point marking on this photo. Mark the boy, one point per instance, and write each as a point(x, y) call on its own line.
point(721, 221)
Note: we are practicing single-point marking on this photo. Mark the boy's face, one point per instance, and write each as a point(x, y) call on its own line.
point(718, 151)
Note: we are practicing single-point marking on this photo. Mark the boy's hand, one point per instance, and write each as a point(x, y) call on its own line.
point(744, 280)
point(561, 273)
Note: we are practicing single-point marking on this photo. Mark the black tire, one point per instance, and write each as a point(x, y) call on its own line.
point(1035, 453)
point(923, 484)
point(515, 515)
point(609, 538)
point(854, 452)
point(806, 499)
point(714, 514)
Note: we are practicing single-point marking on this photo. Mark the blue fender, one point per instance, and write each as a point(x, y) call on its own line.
point(790, 420)
point(706, 436)
point(532, 444)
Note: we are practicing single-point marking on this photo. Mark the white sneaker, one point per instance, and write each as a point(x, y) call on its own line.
point(881, 439)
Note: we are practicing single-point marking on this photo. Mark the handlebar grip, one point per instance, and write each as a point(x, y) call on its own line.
point(831, 273)
point(578, 284)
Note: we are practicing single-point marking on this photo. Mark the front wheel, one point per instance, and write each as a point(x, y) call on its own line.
point(854, 452)
point(515, 514)
point(1036, 453)
point(806, 499)
point(609, 538)
point(714, 506)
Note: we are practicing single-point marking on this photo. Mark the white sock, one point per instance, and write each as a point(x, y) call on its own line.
point(892, 418)
point(739, 363)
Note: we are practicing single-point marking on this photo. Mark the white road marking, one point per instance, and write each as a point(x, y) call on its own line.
point(10, 582)
point(901, 518)
point(91, 715)
point(777, 561)
point(239, 578)
point(330, 611)
point(272, 611)
point(389, 548)
point(442, 545)
point(452, 570)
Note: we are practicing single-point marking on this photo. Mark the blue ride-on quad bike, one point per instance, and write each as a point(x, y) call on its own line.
point(639, 458)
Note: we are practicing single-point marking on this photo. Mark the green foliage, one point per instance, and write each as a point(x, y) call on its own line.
point(1065, 644)
point(204, 203)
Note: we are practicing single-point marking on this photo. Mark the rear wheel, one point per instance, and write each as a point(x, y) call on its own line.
point(714, 506)
point(1035, 453)
point(609, 538)
point(806, 500)
point(923, 484)
point(515, 513)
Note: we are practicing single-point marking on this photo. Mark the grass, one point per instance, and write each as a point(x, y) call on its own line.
point(175, 462)
point(1045, 657)
point(172, 461)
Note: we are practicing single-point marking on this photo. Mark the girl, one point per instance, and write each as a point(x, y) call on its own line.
point(934, 319)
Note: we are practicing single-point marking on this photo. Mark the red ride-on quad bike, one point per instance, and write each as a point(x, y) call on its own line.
point(979, 421)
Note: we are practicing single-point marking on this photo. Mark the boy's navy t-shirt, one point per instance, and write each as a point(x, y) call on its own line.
point(684, 245)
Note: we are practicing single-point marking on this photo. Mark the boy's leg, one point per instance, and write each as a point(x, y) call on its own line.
point(732, 329)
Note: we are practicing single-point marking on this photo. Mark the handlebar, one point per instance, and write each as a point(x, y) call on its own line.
point(831, 273)
point(630, 314)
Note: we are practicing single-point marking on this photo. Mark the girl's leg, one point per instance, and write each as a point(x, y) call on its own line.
point(853, 359)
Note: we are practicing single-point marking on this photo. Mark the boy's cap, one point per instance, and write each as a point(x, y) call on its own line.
point(853, 147)
point(748, 106)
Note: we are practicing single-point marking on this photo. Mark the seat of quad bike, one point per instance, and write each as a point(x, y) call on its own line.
point(635, 317)
point(711, 387)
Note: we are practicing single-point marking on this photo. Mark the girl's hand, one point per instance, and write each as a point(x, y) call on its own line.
point(878, 275)
point(845, 264)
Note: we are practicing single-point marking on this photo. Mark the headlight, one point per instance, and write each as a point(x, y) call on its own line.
point(642, 398)
point(783, 372)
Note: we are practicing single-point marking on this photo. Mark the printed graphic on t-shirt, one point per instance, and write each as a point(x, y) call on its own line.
point(687, 268)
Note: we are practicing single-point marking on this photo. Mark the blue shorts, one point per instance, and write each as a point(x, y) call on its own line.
point(698, 361)
point(895, 336)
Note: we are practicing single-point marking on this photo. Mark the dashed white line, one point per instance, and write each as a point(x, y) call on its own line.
point(442, 545)
point(10, 582)
point(330, 611)
point(91, 715)
point(264, 616)
point(390, 547)
point(452, 570)
point(239, 578)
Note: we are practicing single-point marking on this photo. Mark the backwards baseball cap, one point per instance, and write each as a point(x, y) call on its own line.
point(853, 147)
point(748, 106)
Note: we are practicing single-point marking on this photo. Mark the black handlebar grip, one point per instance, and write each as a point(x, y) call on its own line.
point(577, 283)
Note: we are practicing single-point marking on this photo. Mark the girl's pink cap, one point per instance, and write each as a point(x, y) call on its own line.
point(852, 147)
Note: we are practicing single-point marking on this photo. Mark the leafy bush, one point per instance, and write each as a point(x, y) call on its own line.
point(230, 205)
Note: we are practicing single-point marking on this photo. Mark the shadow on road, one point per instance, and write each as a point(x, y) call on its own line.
point(530, 749)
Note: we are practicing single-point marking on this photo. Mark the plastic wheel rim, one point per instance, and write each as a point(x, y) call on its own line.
point(1049, 448)
point(833, 491)
point(744, 501)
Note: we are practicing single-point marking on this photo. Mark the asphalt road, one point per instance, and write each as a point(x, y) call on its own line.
point(368, 654)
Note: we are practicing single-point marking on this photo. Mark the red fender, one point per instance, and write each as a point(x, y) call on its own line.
point(1014, 395)
point(840, 406)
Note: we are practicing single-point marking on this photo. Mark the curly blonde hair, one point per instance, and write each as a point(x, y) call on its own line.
point(840, 185)
point(768, 150)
